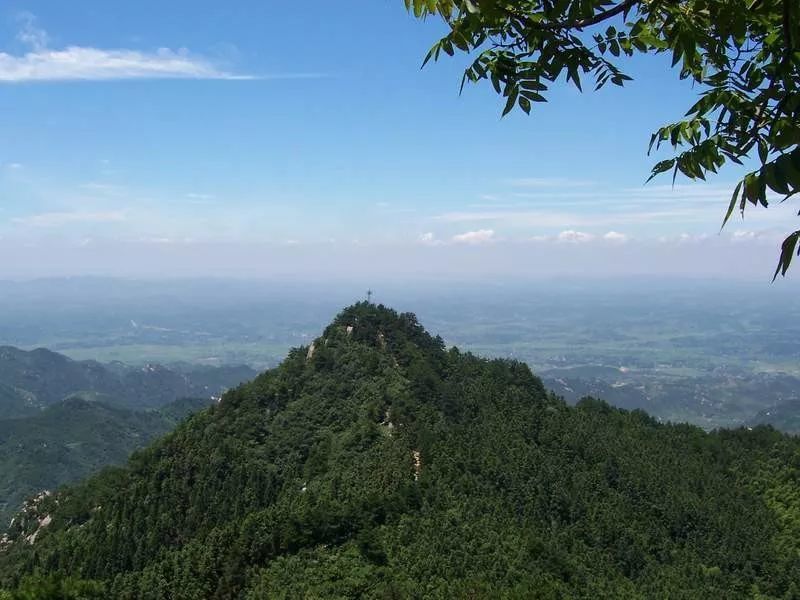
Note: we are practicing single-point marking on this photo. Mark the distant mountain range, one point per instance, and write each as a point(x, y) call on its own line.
point(62, 420)
point(33, 380)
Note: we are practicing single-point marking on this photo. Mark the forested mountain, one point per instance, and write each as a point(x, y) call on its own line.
point(31, 381)
point(377, 463)
point(72, 439)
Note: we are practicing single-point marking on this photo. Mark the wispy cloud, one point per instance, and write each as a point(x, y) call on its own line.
point(615, 237)
point(429, 239)
point(104, 189)
point(546, 218)
point(57, 219)
point(574, 237)
point(81, 63)
point(480, 236)
point(547, 182)
point(77, 63)
point(29, 34)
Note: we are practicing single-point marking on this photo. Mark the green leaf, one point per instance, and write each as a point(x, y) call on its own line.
point(512, 100)
point(732, 205)
point(787, 254)
point(662, 167)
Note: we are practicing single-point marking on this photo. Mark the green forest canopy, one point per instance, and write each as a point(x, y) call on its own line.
point(744, 55)
point(377, 463)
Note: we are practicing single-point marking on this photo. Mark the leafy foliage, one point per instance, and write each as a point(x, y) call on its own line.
point(744, 55)
point(377, 463)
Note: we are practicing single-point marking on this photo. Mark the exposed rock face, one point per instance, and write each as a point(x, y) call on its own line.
point(417, 464)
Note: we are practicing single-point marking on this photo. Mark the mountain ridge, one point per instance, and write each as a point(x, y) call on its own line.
point(377, 463)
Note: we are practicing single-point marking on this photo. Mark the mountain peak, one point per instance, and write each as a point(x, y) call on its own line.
point(383, 327)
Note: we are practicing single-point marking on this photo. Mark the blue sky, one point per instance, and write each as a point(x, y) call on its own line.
point(154, 138)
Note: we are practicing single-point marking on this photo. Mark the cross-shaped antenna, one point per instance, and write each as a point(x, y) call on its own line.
point(369, 295)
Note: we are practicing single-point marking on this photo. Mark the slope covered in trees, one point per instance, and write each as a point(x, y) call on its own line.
point(72, 439)
point(377, 463)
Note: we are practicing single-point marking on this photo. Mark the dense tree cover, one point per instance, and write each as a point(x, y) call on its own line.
point(378, 463)
point(73, 439)
point(744, 56)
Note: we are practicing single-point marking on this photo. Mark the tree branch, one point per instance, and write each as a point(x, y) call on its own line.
point(588, 22)
point(602, 16)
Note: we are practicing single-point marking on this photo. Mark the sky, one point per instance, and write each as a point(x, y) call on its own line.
point(268, 138)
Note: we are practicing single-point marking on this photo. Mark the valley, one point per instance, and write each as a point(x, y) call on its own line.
point(62, 420)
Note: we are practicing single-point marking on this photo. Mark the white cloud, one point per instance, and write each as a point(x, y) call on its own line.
point(77, 63)
point(57, 219)
point(480, 236)
point(684, 238)
point(30, 34)
point(574, 237)
point(741, 236)
point(429, 239)
point(81, 63)
point(615, 237)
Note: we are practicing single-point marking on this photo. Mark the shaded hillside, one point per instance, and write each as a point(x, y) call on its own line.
point(14, 402)
point(71, 440)
point(784, 416)
point(376, 463)
point(31, 381)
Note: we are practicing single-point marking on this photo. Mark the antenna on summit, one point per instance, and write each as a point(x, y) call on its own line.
point(369, 296)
